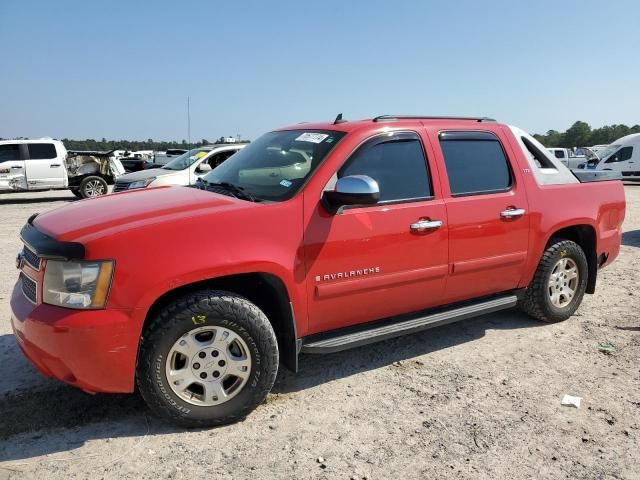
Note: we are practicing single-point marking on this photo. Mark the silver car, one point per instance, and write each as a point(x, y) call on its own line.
point(182, 170)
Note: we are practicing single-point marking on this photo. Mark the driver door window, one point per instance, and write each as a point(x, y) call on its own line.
point(398, 165)
point(621, 155)
point(218, 158)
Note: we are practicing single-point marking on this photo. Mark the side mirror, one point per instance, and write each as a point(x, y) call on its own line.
point(203, 168)
point(352, 190)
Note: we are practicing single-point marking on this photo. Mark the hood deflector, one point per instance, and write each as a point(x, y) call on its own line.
point(47, 247)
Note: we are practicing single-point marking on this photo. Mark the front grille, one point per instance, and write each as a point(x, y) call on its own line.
point(31, 258)
point(120, 187)
point(29, 288)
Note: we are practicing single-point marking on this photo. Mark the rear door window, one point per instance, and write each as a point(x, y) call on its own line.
point(475, 162)
point(9, 152)
point(42, 151)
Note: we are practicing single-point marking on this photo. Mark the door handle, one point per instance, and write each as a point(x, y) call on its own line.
point(54, 165)
point(512, 213)
point(425, 225)
point(15, 167)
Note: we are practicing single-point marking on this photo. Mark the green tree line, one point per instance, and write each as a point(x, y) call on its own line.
point(580, 134)
point(150, 144)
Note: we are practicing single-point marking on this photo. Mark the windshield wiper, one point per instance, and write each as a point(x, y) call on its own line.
point(235, 190)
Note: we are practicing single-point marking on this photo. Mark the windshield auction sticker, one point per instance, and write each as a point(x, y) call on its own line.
point(312, 137)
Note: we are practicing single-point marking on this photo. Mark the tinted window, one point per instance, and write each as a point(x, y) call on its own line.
point(475, 165)
point(42, 151)
point(399, 167)
point(9, 152)
point(626, 153)
point(621, 155)
point(559, 153)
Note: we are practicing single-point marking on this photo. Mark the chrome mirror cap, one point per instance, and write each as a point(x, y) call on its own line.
point(352, 190)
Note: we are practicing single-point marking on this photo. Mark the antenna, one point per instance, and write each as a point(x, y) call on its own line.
point(189, 133)
point(338, 119)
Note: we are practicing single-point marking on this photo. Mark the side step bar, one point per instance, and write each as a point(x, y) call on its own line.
point(345, 339)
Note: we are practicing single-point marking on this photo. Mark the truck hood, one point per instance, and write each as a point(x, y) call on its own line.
point(85, 220)
point(144, 174)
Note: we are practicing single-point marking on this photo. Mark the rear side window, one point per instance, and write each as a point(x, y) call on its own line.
point(397, 163)
point(476, 163)
point(559, 153)
point(42, 151)
point(9, 152)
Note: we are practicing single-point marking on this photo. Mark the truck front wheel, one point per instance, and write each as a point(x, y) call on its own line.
point(207, 359)
point(93, 186)
point(559, 283)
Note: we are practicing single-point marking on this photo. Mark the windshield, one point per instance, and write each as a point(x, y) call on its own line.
point(277, 164)
point(608, 151)
point(185, 160)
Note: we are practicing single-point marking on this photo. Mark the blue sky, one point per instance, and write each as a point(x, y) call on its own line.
point(123, 69)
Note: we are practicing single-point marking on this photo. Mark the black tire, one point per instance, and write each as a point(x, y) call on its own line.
point(221, 309)
point(92, 185)
point(536, 301)
point(76, 192)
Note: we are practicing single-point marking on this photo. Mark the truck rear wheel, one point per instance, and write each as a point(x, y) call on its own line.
point(558, 286)
point(207, 359)
point(93, 186)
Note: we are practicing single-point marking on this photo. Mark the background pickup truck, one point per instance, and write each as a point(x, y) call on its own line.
point(312, 239)
point(568, 157)
point(45, 164)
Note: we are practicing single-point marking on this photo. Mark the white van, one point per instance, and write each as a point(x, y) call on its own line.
point(622, 156)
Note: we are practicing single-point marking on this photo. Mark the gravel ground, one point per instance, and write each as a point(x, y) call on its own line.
point(477, 399)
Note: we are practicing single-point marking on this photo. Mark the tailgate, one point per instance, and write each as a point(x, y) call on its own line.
point(586, 176)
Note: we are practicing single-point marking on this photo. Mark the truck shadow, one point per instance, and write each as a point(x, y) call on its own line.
point(631, 238)
point(49, 417)
point(318, 369)
point(29, 200)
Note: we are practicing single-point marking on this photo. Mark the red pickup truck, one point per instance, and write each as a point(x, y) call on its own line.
point(313, 239)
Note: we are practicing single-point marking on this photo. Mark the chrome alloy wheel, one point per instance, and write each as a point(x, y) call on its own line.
point(94, 188)
point(208, 366)
point(563, 282)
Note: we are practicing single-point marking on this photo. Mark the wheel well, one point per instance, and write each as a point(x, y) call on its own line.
point(585, 236)
point(266, 291)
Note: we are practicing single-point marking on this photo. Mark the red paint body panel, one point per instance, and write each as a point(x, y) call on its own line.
point(164, 238)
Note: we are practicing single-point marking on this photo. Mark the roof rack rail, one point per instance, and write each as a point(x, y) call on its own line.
point(383, 118)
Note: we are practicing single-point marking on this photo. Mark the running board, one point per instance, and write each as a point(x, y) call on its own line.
point(404, 325)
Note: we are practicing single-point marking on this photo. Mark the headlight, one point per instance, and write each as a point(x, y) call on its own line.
point(76, 284)
point(141, 183)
